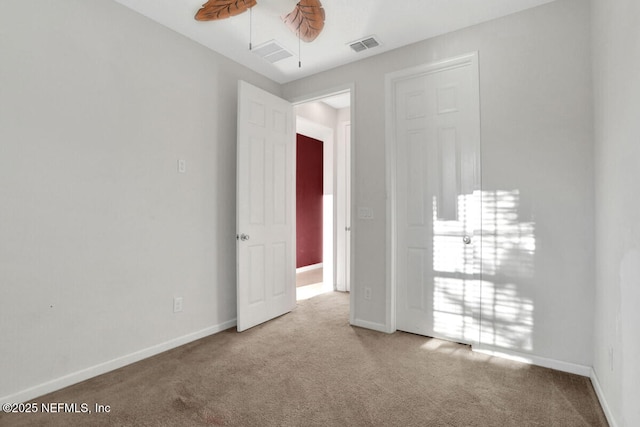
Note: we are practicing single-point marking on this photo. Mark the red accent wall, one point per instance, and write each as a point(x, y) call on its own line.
point(309, 181)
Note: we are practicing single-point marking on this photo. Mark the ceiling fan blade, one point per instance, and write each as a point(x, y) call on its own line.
point(221, 9)
point(306, 20)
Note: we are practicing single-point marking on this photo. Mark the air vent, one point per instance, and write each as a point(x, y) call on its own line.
point(272, 51)
point(364, 44)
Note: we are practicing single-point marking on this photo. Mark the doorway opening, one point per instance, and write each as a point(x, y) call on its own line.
point(325, 121)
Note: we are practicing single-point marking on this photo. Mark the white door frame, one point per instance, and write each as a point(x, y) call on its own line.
point(343, 205)
point(316, 96)
point(391, 158)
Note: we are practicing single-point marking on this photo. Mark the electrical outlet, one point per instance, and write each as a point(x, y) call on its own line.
point(177, 304)
point(182, 166)
point(367, 293)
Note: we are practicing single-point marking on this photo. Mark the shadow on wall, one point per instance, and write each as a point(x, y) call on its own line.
point(477, 291)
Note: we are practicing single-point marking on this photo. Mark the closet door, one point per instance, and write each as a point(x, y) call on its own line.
point(437, 135)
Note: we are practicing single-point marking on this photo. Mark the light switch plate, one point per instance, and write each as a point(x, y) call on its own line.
point(365, 212)
point(177, 304)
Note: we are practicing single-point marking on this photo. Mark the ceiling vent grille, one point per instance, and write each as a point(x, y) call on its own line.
point(364, 44)
point(272, 51)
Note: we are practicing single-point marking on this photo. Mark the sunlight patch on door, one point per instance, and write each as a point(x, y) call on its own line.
point(457, 303)
point(475, 294)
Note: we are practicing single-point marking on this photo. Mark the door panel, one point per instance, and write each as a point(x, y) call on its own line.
point(265, 207)
point(437, 134)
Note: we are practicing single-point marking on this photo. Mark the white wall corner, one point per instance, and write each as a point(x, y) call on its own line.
point(603, 401)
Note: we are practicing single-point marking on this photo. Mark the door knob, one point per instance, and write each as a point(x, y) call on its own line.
point(243, 237)
point(466, 240)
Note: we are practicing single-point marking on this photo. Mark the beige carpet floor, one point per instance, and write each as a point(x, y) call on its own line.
point(311, 368)
point(310, 277)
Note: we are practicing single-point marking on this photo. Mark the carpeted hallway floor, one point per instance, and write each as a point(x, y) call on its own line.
point(310, 277)
point(310, 368)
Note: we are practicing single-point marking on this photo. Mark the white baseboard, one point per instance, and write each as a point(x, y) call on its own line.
point(531, 359)
point(119, 362)
point(380, 327)
point(603, 402)
point(308, 268)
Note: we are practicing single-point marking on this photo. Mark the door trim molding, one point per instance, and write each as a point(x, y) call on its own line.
point(391, 79)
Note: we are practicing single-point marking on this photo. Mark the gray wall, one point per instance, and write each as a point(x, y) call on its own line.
point(98, 231)
point(536, 97)
point(616, 65)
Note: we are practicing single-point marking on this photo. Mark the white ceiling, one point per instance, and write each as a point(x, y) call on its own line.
point(394, 23)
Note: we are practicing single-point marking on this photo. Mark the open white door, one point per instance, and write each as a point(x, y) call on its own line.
point(265, 190)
